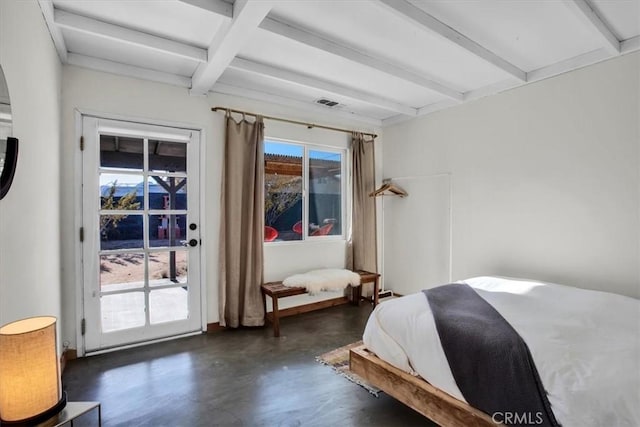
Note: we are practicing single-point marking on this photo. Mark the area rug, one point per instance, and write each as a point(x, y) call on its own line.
point(338, 359)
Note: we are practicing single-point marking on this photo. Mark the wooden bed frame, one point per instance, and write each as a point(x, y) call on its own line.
point(415, 392)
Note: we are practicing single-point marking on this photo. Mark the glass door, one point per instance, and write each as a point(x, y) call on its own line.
point(141, 249)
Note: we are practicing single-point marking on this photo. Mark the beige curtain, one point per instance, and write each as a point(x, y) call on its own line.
point(242, 225)
point(362, 249)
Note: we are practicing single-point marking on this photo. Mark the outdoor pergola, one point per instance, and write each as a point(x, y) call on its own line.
point(292, 165)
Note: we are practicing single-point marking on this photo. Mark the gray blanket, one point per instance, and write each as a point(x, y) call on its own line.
point(490, 362)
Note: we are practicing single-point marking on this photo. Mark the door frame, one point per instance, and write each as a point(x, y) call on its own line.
point(78, 256)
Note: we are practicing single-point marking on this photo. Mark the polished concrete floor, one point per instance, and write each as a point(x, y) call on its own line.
point(237, 378)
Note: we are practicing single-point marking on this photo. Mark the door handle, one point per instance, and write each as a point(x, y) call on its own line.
point(192, 243)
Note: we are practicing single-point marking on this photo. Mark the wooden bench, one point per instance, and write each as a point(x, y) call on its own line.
point(277, 290)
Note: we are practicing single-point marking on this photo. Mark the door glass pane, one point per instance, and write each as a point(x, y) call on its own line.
point(122, 311)
point(167, 230)
point(283, 191)
point(121, 152)
point(325, 193)
point(167, 193)
point(166, 268)
point(121, 231)
point(166, 305)
point(121, 271)
point(121, 192)
point(166, 156)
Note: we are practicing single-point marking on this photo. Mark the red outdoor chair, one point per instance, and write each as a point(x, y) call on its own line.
point(297, 227)
point(323, 231)
point(270, 234)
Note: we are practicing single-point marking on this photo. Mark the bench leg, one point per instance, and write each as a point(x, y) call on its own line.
point(376, 291)
point(276, 317)
point(356, 294)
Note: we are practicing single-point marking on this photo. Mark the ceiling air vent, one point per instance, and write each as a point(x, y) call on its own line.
point(327, 102)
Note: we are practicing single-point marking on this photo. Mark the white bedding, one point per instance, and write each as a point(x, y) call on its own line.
point(585, 344)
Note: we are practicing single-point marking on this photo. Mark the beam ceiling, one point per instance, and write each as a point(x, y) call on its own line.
point(247, 15)
point(242, 19)
point(415, 15)
point(281, 74)
point(299, 35)
point(587, 14)
point(120, 34)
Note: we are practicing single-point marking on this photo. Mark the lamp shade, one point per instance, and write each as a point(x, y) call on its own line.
point(29, 374)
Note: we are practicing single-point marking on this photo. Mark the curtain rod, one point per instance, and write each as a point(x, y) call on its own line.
point(295, 122)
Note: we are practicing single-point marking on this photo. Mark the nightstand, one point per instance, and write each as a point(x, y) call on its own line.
point(72, 411)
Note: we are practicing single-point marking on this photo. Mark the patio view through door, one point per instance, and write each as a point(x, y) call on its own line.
point(141, 248)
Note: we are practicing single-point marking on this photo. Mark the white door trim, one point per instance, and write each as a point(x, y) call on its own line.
point(79, 115)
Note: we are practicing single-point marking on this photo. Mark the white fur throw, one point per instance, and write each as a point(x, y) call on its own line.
point(327, 279)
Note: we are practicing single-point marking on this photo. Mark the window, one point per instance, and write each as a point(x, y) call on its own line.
point(304, 191)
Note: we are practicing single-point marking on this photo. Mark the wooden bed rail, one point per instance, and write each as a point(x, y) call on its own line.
point(415, 392)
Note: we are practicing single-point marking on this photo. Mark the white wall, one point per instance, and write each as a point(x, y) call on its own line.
point(426, 213)
point(106, 93)
point(545, 178)
point(30, 212)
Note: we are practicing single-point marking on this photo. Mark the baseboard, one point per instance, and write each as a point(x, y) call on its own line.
point(214, 327)
point(385, 294)
point(68, 354)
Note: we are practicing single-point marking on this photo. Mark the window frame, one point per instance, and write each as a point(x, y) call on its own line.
point(344, 188)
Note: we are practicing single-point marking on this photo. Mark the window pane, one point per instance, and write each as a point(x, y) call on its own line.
point(167, 230)
point(167, 305)
point(121, 152)
point(121, 232)
point(122, 311)
point(121, 271)
point(121, 191)
point(167, 193)
point(167, 268)
point(325, 193)
point(283, 191)
point(166, 156)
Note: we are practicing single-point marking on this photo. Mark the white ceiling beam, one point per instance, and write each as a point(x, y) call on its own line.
point(415, 15)
point(219, 7)
point(302, 36)
point(301, 80)
point(128, 36)
point(630, 45)
point(295, 104)
point(566, 66)
point(247, 15)
point(570, 64)
point(583, 10)
point(56, 33)
point(127, 70)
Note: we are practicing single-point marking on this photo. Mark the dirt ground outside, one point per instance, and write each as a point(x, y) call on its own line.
point(117, 269)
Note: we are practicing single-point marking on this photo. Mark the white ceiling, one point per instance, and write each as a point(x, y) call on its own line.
point(383, 60)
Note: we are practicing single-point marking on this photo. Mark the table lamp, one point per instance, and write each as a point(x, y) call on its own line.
point(30, 385)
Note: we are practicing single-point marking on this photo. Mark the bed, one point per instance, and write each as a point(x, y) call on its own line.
point(585, 344)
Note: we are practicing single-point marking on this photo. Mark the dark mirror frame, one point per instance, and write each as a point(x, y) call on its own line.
point(10, 163)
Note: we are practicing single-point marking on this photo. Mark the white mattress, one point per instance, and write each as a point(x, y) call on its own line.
point(585, 344)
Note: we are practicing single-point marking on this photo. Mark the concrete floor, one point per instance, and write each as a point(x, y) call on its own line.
point(237, 378)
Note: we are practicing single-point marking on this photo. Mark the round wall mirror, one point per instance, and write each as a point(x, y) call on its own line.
point(8, 144)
